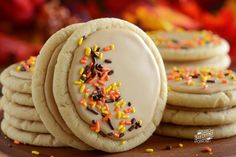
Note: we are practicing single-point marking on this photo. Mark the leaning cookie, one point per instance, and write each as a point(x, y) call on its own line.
point(18, 77)
point(37, 139)
point(189, 45)
point(192, 132)
point(42, 89)
point(201, 87)
point(110, 85)
point(219, 62)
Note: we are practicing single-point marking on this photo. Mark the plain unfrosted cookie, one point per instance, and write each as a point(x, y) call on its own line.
point(25, 125)
point(24, 137)
point(42, 89)
point(189, 45)
point(190, 132)
point(130, 66)
point(20, 111)
point(193, 118)
point(201, 87)
point(220, 62)
point(19, 98)
point(14, 83)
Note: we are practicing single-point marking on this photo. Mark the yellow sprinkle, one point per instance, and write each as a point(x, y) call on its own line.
point(119, 114)
point(123, 105)
point(125, 116)
point(105, 112)
point(81, 71)
point(77, 83)
point(82, 88)
point(122, 130)
point(140, 122)
point(120, 127)
point(84, 75)
point(93, 104)
point(87, 51)
point(119, 84)
point(80, 41)
point(108, 89)
point(84, 104)
point(181, 145)
point(112, 46)
point(123, 142)
point(149, 150)
point(18, 68)
point(98, 107)
point(95, 47)
point(101, 56)
point(192, 83)
point(178, 79)
point(134, 110)
point(204, 79)
point(86, 95)
point(35, 152)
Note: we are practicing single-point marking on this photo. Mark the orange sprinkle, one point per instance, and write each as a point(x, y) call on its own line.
point(87, 90)
point(107, 117)
point(99, 102)
point(96, 85)
point(16, 142)
point(207, 149)
point(83, 61)
point(221, 75)
point(116, 135)
point(103, 90)
point(106, 48)
point(103, 76)
point(88, 75)
point(125, 122)
point(81, 101)
point(224, 81)
point(105, 69)
point(98, 127)
point(101, 82)
point(116, 109)
point(93, 80)
point(112, 97)
point(171, 77)
point(107, 78)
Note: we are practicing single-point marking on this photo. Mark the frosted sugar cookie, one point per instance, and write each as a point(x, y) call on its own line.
point(110, 85)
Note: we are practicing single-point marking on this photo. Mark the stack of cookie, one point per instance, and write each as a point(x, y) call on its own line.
point(21, 121)
point(192, 49)
point(200, 99)
point(99, 84)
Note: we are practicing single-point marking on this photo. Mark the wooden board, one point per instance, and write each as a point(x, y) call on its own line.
point(221, 148)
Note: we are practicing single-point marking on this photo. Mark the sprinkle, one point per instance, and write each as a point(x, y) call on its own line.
point(112, 46)
point(80, 41)
point(35, 152)
point(81, 71)
point(16, 142)
point(107, 61)
point(208, 149)
point(82, 88)
point(87, 51)
point(92, 111)
point(224, 81)
point(181, 145)
point(95, 47)
point(123, 142)
point(149, 150)
point(131, 128)
point(211, 81)
point(110, 124)
point(110, 72)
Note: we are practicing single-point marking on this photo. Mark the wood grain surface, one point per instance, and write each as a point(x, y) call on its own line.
point(221, 148)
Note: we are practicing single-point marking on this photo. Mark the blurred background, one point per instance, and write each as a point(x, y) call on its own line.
point(26, 24)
